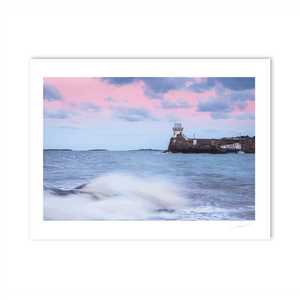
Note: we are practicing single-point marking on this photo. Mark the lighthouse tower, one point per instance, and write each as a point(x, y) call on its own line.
point(177, 129)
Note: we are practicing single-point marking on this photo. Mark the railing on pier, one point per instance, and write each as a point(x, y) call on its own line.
point(184, 136)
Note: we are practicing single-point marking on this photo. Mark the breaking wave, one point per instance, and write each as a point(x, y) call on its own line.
point(115, 196)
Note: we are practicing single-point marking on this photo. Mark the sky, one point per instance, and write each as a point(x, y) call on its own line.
point(129, 113)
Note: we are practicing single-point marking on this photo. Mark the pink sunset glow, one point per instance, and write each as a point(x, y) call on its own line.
point(202, 104)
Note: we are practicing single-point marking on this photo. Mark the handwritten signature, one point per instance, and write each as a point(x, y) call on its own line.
point(236, 226)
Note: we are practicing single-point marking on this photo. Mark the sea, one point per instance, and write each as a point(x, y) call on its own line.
point(148, 186)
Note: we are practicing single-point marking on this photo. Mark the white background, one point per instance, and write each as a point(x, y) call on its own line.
point(150, 270)
point(258, 229)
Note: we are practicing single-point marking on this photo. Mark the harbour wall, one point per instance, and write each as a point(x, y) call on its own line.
point(182, 144)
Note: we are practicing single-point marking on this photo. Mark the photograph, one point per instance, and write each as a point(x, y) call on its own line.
point(149, 148)
point(145, 150)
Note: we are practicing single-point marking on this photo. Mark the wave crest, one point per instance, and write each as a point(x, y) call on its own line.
point(115, 196)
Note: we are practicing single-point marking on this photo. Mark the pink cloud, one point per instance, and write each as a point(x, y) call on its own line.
point(251, 106)
point(82, 90)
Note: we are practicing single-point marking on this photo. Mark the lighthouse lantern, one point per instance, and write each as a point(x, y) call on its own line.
point(177, 129)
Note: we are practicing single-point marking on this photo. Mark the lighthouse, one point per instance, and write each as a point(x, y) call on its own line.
point(177, 129)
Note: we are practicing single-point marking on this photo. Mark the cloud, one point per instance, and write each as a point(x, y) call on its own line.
point(165, 84)
point(237, 83)
point(156, 84)
point(133, 114)
point(118, 80)
point(217, 115)
point(243, 95)
point(152, 95)
point(225, 101)
point(70, 127)
point(73, 105)
point(179, 103)
point(246, 116)
point(154, 87)
point(241, 104)
point(110, 99)
point(51, 92)
point(205, 85)
point(73, 110)
point(167, 104)
point(231, 83)
point(214, 105)
point(89, 106)
point(182, 103)
point(171, 117)
point(56, 114)
point(251, 115)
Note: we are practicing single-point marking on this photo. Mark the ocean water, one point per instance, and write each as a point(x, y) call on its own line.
point(148, 185)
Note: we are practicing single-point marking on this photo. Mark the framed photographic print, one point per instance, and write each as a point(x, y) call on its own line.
point(150, 149)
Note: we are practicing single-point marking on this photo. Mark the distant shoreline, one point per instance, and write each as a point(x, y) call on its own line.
point(57, 150)
point(102, 150)
point(148, 150)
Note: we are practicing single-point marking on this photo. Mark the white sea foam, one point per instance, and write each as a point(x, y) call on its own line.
point(115, 196)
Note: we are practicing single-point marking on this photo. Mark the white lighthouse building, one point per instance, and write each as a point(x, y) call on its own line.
point(177, 129)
